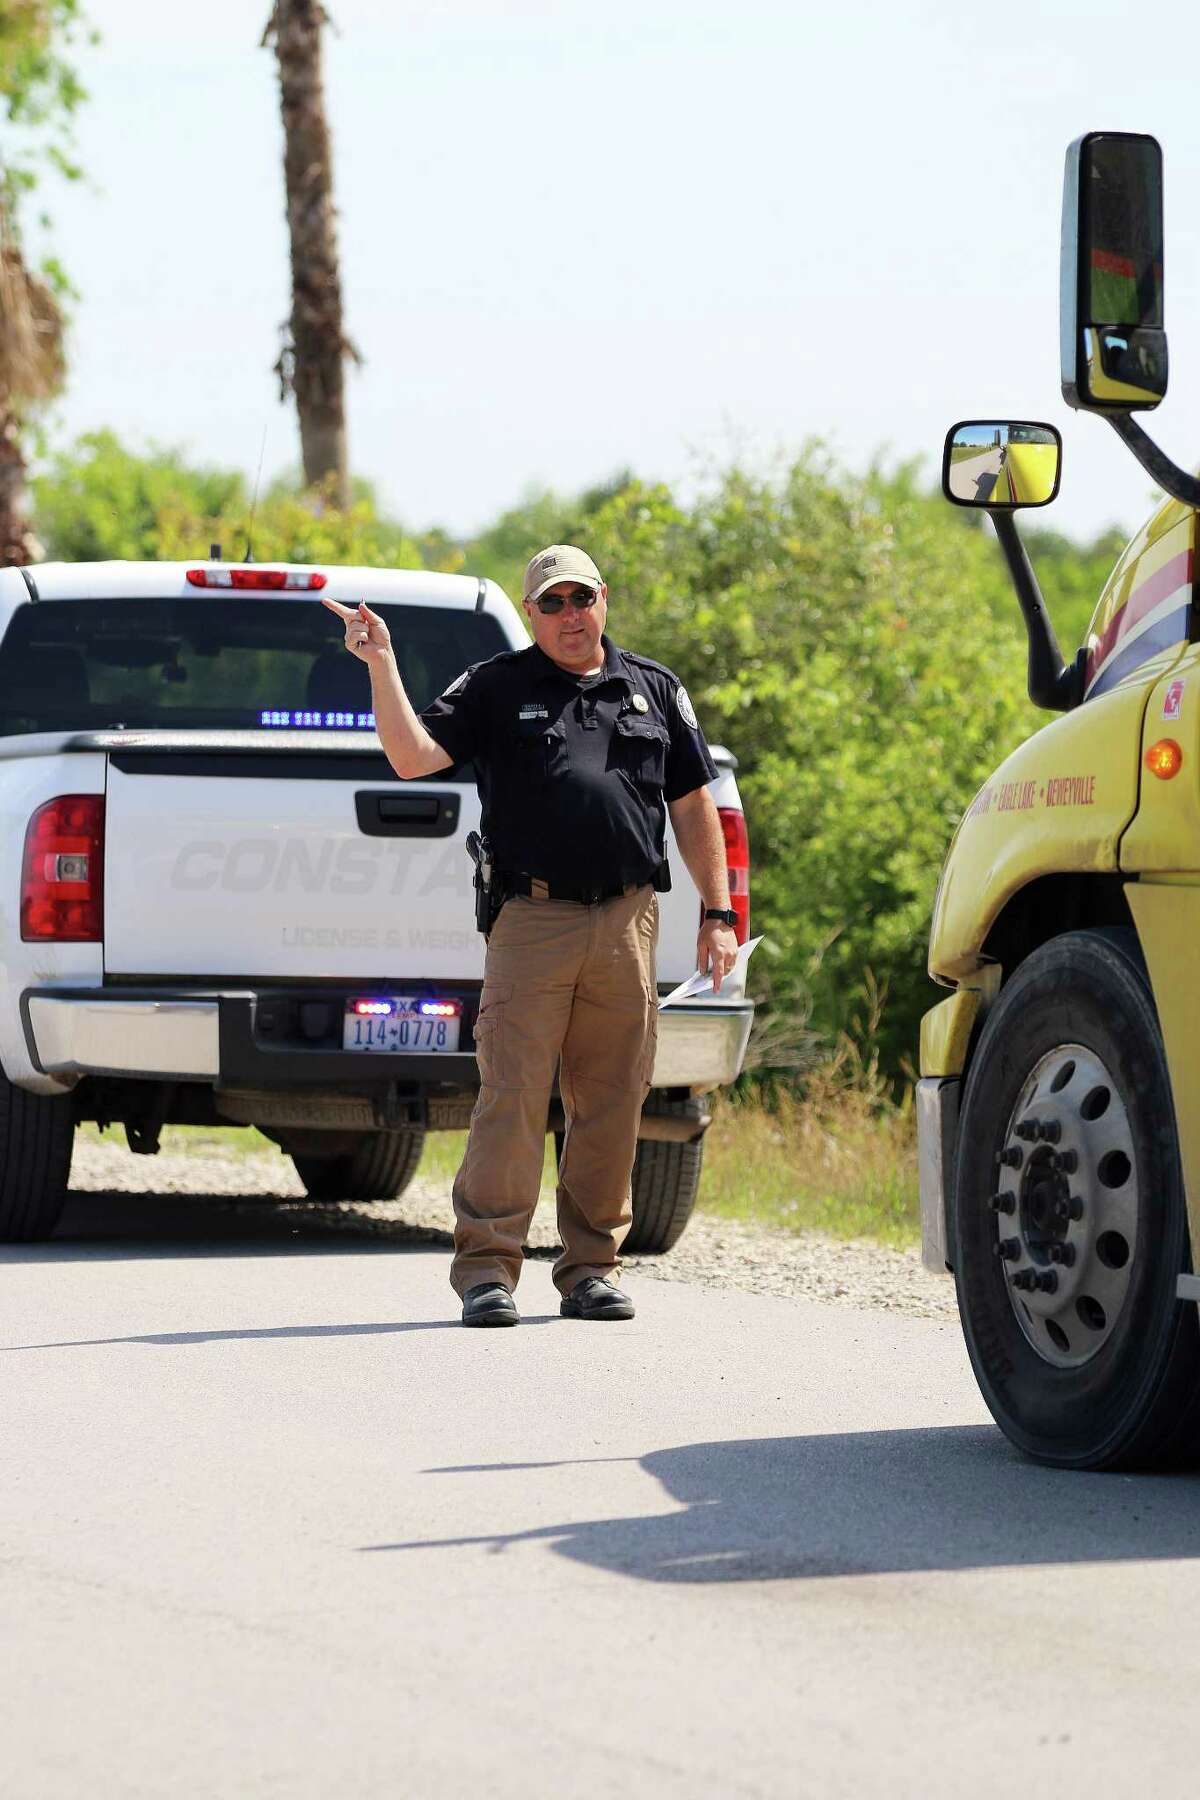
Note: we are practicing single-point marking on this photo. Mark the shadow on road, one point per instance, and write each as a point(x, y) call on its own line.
point(117, 1227)
point(172, 1339)
point(868, 1503)
point(122, 1227)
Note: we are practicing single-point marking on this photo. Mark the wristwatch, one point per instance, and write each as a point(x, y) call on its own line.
point(726, 915)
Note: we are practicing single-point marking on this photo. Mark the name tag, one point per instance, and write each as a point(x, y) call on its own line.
point(533, 709)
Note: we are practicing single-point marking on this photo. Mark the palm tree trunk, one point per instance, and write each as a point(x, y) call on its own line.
point(312, 365)
point(31, 371)
point(16, 542)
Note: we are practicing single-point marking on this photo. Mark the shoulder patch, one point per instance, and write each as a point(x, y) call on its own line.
point(686, 710)
point(457, 686)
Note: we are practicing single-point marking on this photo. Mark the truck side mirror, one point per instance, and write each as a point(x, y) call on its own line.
point(1001, 464)
point(1114, 348)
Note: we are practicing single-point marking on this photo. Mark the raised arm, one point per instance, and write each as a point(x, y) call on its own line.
point(406, 743)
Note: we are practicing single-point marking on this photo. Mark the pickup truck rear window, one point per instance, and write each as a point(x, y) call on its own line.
point(217, 664)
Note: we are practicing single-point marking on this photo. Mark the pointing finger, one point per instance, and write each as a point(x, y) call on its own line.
point(343, 612)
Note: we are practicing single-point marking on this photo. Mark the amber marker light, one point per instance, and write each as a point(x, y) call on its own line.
point(1164, 759)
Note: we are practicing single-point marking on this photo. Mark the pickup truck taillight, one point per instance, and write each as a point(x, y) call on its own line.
point(62, 895)
point(737, 859)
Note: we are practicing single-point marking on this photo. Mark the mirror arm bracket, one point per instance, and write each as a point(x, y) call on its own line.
point(1053, 685)
point(1169, 476)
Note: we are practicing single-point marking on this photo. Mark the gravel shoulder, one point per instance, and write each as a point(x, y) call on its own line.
point(713, 1252)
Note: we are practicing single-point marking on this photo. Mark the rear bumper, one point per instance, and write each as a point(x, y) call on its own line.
point(233, 1040)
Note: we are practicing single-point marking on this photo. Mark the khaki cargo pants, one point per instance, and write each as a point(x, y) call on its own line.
point(571, 988)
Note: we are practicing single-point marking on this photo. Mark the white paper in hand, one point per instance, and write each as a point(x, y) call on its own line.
point(697, 985)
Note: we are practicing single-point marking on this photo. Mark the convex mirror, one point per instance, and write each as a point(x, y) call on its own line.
point(1114, 348)
point(1001, 464)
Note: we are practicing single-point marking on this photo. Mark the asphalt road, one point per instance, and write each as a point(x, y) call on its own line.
point(975, 476)
point(273, 1524)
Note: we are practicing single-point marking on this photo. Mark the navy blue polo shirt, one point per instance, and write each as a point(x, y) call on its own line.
point(574, 772)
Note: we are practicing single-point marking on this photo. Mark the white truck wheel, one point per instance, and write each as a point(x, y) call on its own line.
point(666, 1180)
point(36, 1134)
point(380, 1168)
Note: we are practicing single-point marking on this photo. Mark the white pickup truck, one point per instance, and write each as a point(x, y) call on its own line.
point(223, 907)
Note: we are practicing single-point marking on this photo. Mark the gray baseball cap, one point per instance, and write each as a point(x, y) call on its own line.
point(560, 562)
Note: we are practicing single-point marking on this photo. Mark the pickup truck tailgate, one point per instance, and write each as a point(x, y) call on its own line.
point(294, 863)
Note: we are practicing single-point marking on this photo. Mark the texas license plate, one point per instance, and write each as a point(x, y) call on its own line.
point(401, 1022)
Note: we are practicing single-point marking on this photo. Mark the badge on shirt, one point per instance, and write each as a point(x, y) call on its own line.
point(686, 710)
point(533, 709)
point(640, 703)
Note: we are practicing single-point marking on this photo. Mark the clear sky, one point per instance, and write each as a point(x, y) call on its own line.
point(648, 233)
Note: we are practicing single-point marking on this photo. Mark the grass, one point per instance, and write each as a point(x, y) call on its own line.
point(841, 1160)
point(241, 1139)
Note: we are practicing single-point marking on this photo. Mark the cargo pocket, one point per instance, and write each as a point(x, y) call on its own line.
point(489, 1026)
point(650, 1051)
point(640, 751)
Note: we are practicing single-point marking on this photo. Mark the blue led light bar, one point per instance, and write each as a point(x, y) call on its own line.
point(322, 721)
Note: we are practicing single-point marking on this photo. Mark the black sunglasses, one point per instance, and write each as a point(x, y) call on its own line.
point(581, 598)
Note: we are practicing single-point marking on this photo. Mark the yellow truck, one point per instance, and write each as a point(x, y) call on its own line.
point(1058, 1112)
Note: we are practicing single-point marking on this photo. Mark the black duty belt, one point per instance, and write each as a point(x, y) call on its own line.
point(532, 887)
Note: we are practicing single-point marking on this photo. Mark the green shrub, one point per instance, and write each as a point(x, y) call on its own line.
point(101, 501)
point(852, 639)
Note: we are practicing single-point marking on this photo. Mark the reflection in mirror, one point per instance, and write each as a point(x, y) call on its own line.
point(1122, 200)
point(1122, 348)
point(1001, 463)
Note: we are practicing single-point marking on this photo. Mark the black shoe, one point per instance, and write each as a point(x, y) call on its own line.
point(593, 1298)
point(489, 1304)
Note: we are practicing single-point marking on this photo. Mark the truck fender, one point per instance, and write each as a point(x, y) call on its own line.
point(1167, 917)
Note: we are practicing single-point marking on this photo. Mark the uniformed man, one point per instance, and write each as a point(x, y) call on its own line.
point(581, 749)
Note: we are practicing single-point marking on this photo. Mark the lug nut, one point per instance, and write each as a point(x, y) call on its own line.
point(1008, 1249)
point(1076, 1206)
point(1051, 1131)
point(1011, 1157)
point(1029, 1129)
point(1024, 1278)
point(1068, 1161)
point(1003, 1202)
point(1062, 1253)
point(1047, 1281)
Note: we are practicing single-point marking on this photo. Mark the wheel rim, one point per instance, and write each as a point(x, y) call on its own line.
point(1067, 1206)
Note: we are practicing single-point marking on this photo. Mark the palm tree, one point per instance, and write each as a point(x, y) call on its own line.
point(312, 364)
point(31, 371)
point(39, 90)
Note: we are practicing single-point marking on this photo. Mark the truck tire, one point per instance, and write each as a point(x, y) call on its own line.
point(379, 1168)
point(1070, 1219)
point(666, 1181)
point(36, 1134)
